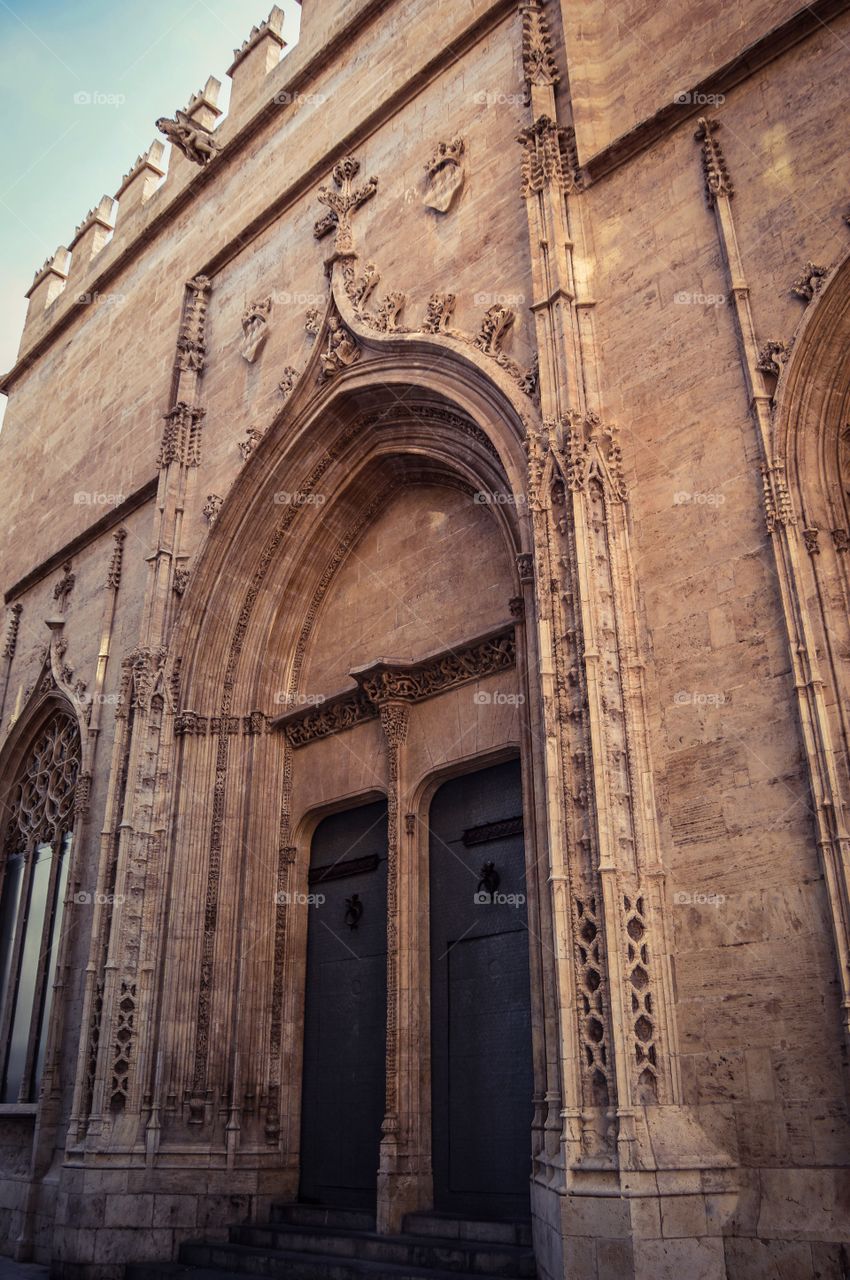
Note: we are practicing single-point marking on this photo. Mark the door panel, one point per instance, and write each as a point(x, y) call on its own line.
point(480, 998)
point(345, 1015)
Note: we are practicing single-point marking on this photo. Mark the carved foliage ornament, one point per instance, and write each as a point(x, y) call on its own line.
point(549, 158)
point(181, 436)
point(255, 328)
point(445, 176)
point(191, 342)
point(537, 57)
point(809, 282)
point(342, 202)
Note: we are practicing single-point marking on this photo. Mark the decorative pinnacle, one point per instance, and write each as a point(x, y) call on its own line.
point(717, 180)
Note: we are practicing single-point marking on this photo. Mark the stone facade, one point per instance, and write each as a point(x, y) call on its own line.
point(477, 386)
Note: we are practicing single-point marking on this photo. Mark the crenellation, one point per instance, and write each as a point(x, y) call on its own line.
point(143, 179)
point(257, 57)
point(48, 283)
point(203, 106)
point(91, 235)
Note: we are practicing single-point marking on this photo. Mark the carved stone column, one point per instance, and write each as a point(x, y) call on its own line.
point(398, 1171)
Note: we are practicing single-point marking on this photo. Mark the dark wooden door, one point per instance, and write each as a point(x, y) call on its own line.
point(345, 1017)
point(480, 997)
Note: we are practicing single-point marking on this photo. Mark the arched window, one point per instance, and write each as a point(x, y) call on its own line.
point(33, 882)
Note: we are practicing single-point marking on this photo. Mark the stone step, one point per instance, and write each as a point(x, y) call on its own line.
point(451, 1227)
point(475, 1257)
point(176, 1271)
point(239, 1259)
point(314, 1215)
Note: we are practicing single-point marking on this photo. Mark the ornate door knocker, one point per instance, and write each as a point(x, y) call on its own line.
point(353, 911)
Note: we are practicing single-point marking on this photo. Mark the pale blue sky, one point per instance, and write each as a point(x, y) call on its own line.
point(60, 157)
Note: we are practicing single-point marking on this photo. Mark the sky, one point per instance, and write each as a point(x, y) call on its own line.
point(83, 82)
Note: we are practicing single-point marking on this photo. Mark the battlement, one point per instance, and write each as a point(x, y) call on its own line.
point(197, 135)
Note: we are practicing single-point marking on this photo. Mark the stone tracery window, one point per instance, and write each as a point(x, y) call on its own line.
point(33, 883)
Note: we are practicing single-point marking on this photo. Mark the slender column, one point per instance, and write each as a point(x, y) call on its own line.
point(782, 526)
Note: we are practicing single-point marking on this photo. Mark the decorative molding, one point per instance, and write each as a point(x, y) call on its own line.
point(313, 322)
point(490, 831)
point(190, 137)
point(717, 179)
point(841, 539)
point(446, 175)
point(116, 564)
point(330, 717)
point(397, 683)
point(181, 437)
point(181, 580)
point(255, 328)
point(191, 341)
point(342, 203)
